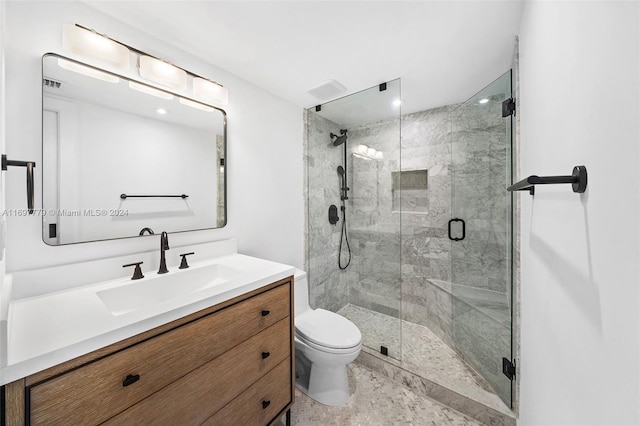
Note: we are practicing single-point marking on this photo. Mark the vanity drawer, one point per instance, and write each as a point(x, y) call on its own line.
point(198, 395)
point(97, 391)
point(259, 404)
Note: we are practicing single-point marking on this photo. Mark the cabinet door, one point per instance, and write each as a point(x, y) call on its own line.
point(261, 403)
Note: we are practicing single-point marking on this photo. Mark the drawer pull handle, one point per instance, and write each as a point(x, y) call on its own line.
point(265, 404)
point(265, 355)
point(131, 379)
point(265, 313)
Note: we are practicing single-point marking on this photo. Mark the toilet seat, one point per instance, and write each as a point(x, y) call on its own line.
point(327, 331)
point(334, 351)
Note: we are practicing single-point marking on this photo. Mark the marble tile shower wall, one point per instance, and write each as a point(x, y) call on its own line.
point(328, 285)
point(426, 145)
point(374, 227)
point(400, 263)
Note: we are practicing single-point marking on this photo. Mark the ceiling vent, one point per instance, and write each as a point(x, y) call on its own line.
point(47, 82)
point(327, 90)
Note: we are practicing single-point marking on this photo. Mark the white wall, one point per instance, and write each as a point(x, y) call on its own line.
point(580, 105)
point(265, 207)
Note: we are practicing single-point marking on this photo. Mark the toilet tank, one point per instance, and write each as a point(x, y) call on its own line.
point(301, 292)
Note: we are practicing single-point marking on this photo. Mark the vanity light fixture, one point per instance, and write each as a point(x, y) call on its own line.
point(91, 72)
point(371, 152)
point(196, 105)
point(483, 101)
point(91, 45)
point(379, 155)
point(150, 90)
point(362, 149)
point(162, 72)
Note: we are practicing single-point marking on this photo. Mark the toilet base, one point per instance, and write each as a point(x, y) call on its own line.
point(327, 384)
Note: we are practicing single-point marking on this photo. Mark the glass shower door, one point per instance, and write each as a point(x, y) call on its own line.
point(364, 151)
point(481, 233)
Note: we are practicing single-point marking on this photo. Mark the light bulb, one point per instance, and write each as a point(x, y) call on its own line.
point(94, 46)
point(163, 73)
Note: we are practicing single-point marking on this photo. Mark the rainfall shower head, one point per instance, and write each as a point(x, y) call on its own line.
point(339, 139)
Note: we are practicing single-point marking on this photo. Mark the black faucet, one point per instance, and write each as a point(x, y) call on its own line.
point(164, 245)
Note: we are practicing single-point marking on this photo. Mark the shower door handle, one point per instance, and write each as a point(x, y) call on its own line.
point(463, 230)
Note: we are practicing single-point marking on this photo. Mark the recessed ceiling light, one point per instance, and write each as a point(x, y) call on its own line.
point(161, 111)
point(483, 101)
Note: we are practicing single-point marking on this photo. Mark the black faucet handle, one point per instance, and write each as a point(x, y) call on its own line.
point(183, 263)
point(137, 273)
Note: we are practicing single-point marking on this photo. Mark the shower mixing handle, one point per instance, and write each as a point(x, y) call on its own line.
point(333, 214)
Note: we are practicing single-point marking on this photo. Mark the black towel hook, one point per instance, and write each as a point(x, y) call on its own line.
point(30, 165)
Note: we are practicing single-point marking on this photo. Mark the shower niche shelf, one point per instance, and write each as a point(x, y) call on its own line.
point(409, 191)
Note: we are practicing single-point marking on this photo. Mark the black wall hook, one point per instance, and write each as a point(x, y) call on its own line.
point(30, 165)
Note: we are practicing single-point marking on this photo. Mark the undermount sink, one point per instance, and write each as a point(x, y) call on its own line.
point(154, 289)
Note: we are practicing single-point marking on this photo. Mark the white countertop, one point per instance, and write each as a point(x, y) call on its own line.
point(48, 329)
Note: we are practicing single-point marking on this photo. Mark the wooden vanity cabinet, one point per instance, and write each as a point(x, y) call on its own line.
point(232, 363)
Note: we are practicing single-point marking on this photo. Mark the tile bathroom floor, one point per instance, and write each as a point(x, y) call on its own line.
point(423, 353)
point(376, 400)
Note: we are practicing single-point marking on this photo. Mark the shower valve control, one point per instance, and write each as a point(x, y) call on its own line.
point(333, 214)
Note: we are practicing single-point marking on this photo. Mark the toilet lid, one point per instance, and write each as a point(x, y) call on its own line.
point(328, 329)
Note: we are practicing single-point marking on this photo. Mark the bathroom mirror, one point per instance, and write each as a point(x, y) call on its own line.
point(119, 156)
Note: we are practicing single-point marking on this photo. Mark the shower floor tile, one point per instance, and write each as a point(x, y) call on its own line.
point(423, 353)
point(376, 400)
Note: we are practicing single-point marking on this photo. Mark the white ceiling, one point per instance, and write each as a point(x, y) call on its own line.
point(444, 51)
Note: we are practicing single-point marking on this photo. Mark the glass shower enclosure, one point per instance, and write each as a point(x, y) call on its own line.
point(425, 230)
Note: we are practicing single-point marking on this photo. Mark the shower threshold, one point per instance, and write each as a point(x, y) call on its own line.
point(424, 362)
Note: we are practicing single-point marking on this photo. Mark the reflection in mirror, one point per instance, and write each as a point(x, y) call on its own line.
point(118, 155)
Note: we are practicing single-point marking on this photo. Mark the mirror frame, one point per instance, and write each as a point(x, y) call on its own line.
point(127, 78)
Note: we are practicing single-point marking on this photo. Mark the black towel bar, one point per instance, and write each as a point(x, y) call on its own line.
point(578, 181)
point(125, 196)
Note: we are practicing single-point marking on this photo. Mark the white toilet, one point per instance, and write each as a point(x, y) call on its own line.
point(325, 343)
